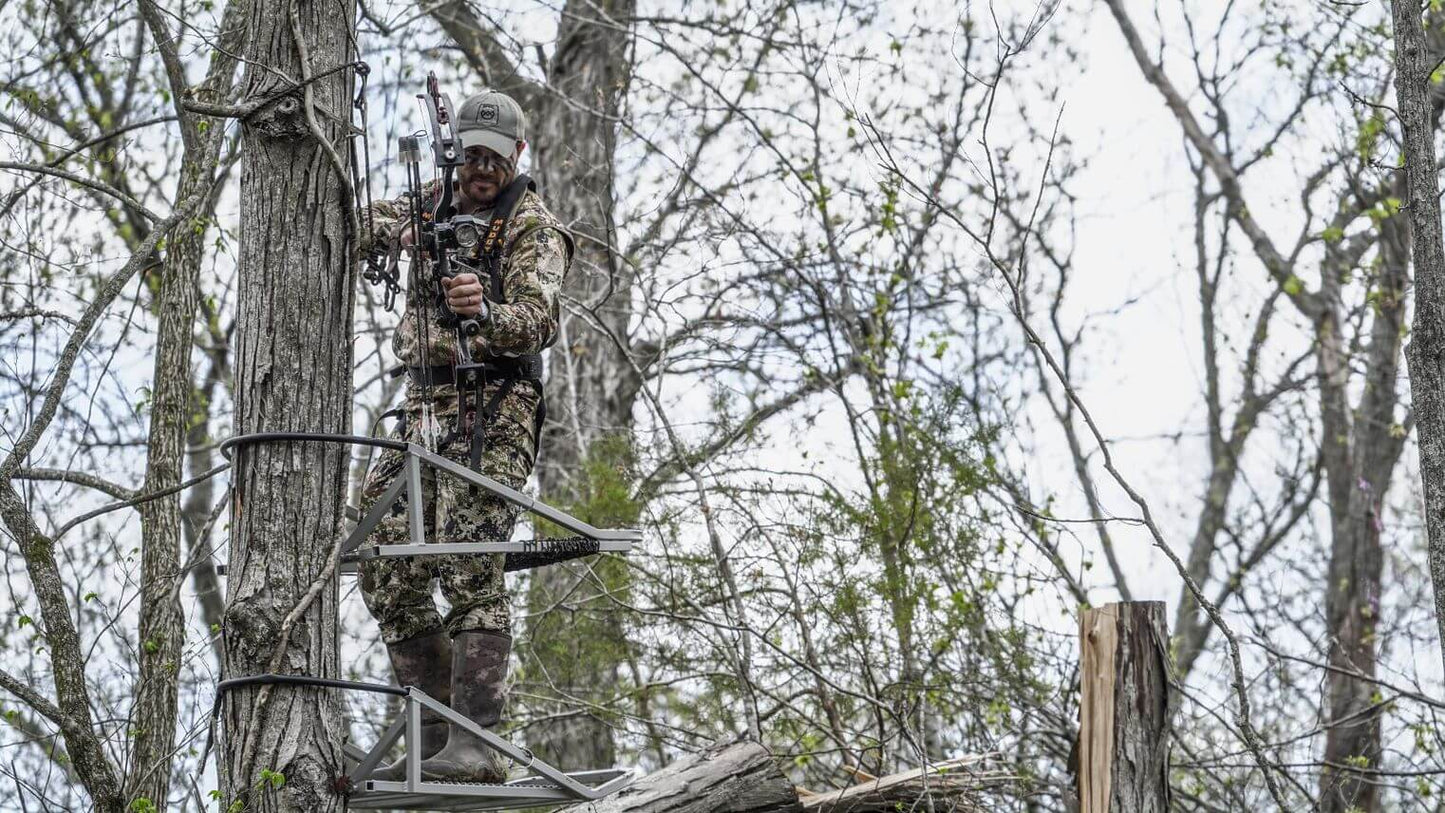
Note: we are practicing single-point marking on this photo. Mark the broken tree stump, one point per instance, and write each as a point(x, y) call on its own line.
point(737, 777)
point(1124, 709)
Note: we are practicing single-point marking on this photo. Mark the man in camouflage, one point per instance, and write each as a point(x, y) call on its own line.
point(462, 659)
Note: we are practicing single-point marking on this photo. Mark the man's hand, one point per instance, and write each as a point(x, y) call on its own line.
point(464, 294)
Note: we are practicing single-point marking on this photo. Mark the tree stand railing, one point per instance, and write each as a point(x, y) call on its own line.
point(521, 555)
point(543, 784)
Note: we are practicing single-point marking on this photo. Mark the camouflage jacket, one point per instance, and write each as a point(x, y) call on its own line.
point(536, 254)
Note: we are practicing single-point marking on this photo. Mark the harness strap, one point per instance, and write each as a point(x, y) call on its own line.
point(526, 368)
point(495, 240)
point(483, 419)
point(541, 421)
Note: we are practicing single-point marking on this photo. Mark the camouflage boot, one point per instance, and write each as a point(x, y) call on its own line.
point(424, 662)
point(479, 691)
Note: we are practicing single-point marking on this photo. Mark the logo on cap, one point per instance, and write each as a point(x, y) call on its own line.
point(487, 114)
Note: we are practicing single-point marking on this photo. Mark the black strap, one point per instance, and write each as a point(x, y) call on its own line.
point(525, 368)
point(541, 421)
point(496, 237)
point(395, 412)
point(483, 419)
point(489, 414)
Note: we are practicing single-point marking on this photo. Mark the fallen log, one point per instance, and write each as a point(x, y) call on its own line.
point(738, 777)
point(953, 785)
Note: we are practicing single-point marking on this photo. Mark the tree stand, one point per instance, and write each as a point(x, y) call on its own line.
point(544, 784)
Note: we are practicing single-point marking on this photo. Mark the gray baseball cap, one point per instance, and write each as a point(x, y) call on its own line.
point(492, 119)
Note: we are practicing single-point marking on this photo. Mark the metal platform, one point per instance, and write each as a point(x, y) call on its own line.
point(542, 785)
point(520, 793)
point(523, 554)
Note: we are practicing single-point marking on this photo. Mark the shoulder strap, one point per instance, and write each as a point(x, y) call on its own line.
point(496, 232)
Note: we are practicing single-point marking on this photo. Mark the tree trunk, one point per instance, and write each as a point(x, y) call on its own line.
point(1352, 581)
point(1124, 709)
point(956, 785)
point(162, 625)
point(1360, 457)
point(591, 387)
point(736, 778)
point(281, 745)
point(1426, 353)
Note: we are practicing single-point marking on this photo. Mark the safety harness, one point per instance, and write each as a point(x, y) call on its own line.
point(471, 379)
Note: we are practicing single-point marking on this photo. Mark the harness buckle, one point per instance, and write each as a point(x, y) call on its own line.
point(470, 376)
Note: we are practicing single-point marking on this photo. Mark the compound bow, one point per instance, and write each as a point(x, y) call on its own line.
point(445, 245)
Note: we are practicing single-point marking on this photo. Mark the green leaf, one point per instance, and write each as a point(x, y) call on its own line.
point(1369, 136)
point(1294, 285)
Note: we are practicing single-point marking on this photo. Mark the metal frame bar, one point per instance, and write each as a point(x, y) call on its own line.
point(413, 742)
point(451, 548)
point(415, 521)
point(530, 504)
point(369, 760)
point(351, 562)
point(368, 523)
point(415, 455)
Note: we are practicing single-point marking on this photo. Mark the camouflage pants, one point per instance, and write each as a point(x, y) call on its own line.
point(399, 591)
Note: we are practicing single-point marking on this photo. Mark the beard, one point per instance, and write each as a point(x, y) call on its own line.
point(484, 189)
